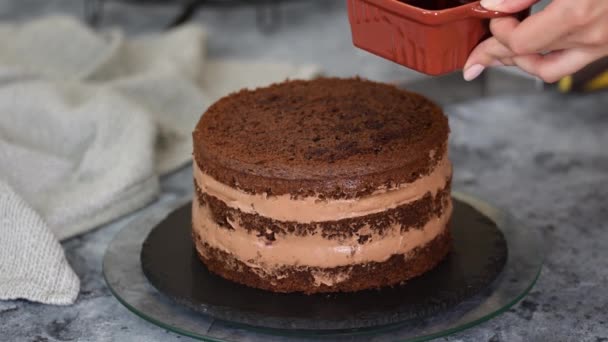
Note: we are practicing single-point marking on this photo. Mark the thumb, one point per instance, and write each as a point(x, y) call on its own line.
point(507, 6)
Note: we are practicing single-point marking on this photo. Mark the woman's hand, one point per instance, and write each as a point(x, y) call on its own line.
point(558, 41)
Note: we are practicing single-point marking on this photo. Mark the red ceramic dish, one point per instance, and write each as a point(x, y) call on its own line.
point(432, 41)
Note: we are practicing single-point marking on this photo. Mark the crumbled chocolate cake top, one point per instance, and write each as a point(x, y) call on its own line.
point(330, 137)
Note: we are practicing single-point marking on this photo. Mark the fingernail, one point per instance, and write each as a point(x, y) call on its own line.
point(497, 63)
point(491, 4)
point(472, 72)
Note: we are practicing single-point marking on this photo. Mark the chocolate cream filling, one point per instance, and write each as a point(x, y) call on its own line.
point(314, 209)
point(254, 228)
point(311, 250)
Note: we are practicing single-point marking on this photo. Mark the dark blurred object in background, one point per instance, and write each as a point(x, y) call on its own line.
point(593, 77)
point(268, 13)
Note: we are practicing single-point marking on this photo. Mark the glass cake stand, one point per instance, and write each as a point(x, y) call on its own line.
point(125, 278)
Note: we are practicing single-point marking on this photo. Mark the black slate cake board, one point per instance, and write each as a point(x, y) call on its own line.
point(170, 263)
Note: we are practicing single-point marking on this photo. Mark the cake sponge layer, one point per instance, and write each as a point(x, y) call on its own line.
point(329, 137)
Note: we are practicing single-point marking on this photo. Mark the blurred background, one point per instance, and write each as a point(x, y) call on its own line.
point(296, 31)
point(522, 150)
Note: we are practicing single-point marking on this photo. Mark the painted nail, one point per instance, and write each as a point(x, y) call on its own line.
point(491, 4)
point(473, 71)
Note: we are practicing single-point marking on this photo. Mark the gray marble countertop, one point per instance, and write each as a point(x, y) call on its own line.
point(540, 156)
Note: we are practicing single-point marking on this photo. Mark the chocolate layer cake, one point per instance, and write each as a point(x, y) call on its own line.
point(322, 186)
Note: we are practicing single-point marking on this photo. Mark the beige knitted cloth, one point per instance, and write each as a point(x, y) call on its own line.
point(88, 122)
